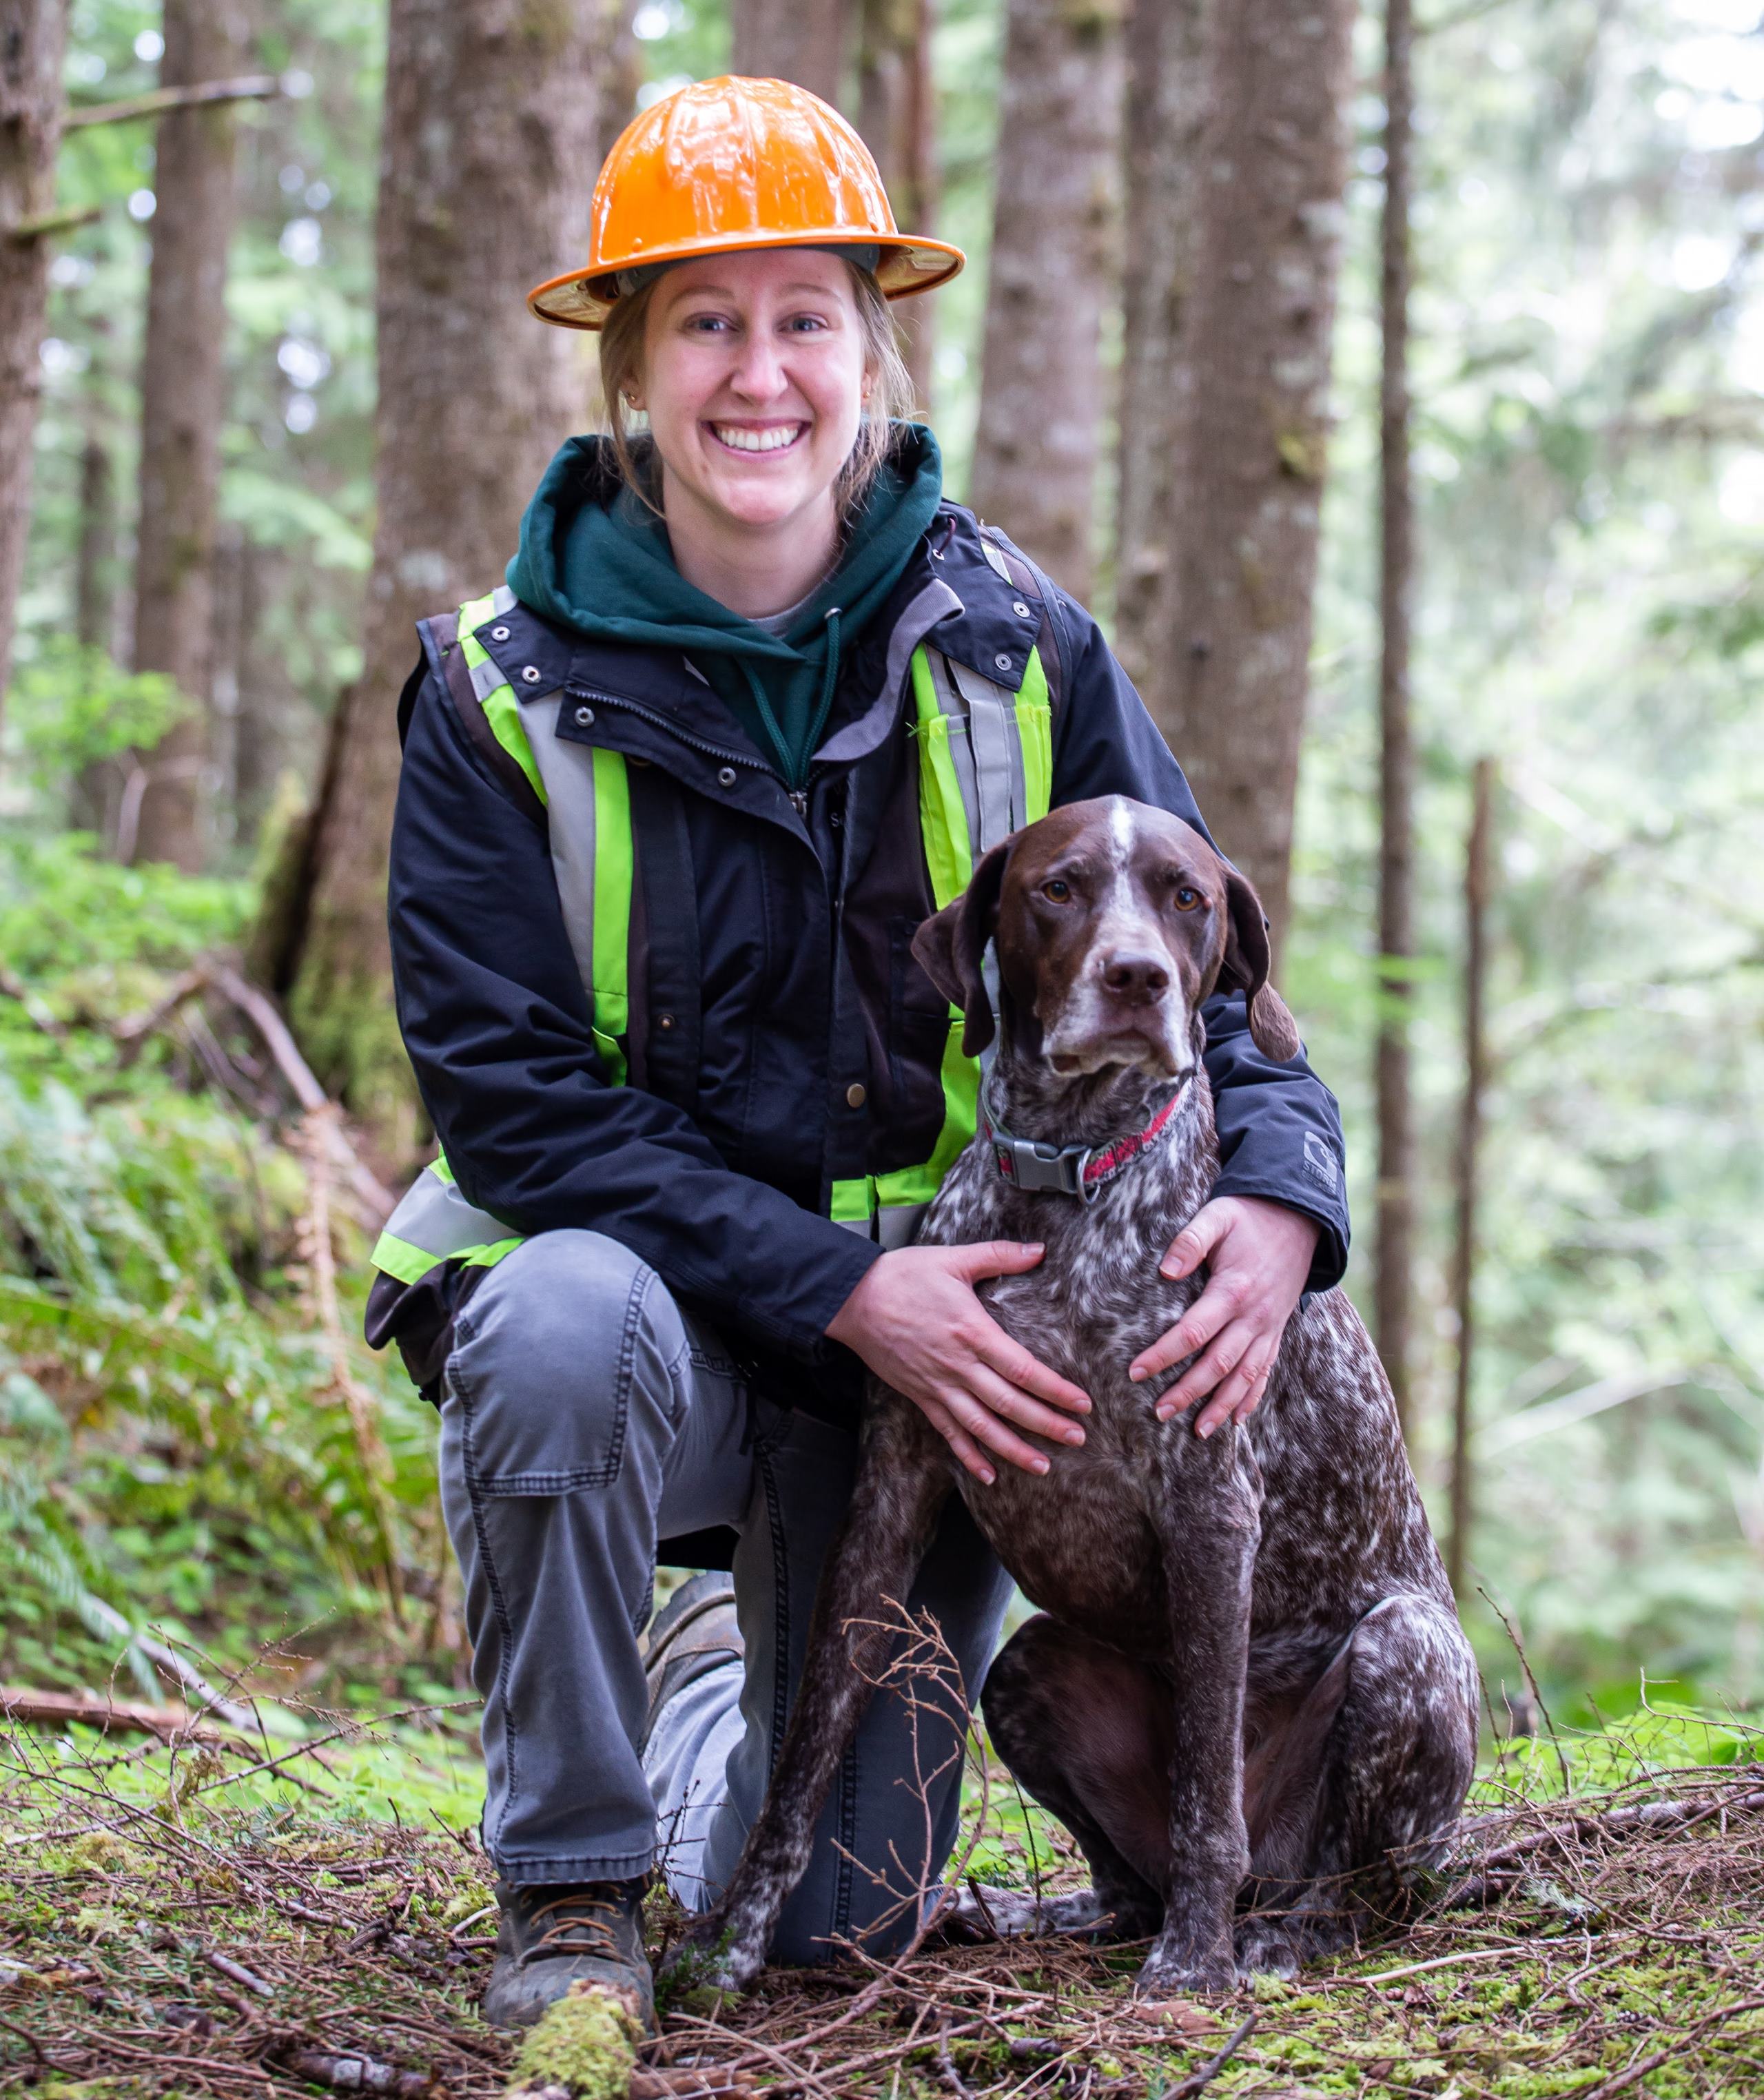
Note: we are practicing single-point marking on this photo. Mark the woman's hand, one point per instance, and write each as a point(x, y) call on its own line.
point(1259, 1255)
point(916, 1322)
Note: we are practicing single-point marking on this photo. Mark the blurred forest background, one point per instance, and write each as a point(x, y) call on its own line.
point(1463, 313)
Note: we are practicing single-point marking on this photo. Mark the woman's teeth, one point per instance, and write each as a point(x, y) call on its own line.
point(741, 440)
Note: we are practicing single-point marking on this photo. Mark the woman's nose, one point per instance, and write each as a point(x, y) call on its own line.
point(759, 377)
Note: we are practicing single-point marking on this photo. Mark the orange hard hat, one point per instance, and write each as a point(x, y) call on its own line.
point(729, 164)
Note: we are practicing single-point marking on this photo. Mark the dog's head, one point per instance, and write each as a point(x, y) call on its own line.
point(1112, 922)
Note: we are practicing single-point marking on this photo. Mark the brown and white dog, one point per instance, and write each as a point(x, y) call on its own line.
point(1250, 1699)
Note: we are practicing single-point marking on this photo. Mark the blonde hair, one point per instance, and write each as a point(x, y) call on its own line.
point(891, 398)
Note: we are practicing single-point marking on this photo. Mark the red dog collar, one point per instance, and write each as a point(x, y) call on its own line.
point(1070, 1169)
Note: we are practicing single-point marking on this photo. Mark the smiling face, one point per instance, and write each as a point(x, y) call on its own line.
point(754, 381)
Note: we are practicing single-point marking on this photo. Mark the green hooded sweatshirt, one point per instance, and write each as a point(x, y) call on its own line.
point(604, 568)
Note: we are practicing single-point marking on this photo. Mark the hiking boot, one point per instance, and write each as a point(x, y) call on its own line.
point(693, 1633)
point(552, 1936)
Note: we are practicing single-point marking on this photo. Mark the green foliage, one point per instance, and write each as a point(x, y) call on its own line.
point(73, 707)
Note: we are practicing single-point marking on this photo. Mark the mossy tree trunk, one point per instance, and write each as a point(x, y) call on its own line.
point(491, 141)
point(35, 34)
point(1225, 640)
point(183, 409)
point(798, 40)
point(897, 113)
point(1055, 237)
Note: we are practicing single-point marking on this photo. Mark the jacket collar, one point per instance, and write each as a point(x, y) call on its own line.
point(949, 593)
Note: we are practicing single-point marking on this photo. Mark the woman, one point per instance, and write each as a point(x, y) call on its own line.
point(753, 700)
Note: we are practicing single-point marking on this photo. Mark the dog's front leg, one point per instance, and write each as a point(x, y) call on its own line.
point(1209, 1521)
point(903, 1481)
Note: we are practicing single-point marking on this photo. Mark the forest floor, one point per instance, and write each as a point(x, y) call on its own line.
point(195, 1919)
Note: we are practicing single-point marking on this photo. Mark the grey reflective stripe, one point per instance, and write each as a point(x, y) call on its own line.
point(502, 599)
point(568, 770)
point(988, 758)
point(487, 676)
point(892, 1225)
point(996, 745)
point(434, 1215)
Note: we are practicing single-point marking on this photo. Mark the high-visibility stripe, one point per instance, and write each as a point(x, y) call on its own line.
point(496, 695)
point(985, 769)
point(613, 870)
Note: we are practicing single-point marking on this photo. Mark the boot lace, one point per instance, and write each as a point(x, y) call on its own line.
point(585, 1921)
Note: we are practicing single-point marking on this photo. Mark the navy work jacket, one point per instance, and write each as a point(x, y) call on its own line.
point(809, 1042)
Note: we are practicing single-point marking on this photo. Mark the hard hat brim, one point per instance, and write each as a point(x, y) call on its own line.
point(583, 298)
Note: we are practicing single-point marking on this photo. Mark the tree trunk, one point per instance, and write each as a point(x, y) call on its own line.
point(1476, 871)
point(93, 792)
point(622, 76)
point(1227, 678)
point(897, 113)
point(1166, 108)
point(31, 44)
point(1055, 233)
point(798, 40)
point(183, 404)
point(491, 130)
point(1393, 1283)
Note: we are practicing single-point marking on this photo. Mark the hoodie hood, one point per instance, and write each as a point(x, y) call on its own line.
point(592, 558)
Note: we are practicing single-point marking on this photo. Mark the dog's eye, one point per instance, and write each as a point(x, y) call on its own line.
point(1186, 898)
point(1056, 891)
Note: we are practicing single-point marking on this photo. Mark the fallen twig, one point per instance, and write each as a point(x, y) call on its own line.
point(340, 2073)
point(22, 1702)
point(237, 1972)
point(1196, 2081)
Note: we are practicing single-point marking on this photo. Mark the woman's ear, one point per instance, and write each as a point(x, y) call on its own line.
point(950, 947)
point(1245, 968)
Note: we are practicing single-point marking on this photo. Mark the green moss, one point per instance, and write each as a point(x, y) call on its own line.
point(586, 2042)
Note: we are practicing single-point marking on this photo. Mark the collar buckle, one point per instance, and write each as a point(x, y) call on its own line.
point(1036, 1167)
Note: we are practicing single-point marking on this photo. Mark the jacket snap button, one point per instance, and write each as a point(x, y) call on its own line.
point(726, 777)
point(585, 715)
point(1003, 662)
point(1020, 610)
point(664, 1021)
point(855, 1097)
point(530, 673)
point(498, 634)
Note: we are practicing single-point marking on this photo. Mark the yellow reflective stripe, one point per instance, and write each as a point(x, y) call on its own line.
point(1034, 730)
point(487, 1257)
point(442, 1172)
point(853, 1201)
point(411, 1264)
point(502, 711)
point(961, 1103)
point(398, 1258)
point(613, 872)
point(942, 818)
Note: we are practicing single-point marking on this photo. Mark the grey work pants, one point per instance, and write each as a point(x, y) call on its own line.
point(583, 1417)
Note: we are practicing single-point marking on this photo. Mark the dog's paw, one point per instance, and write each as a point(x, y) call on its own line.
point(1266, 1948)
point(1170, 1971)
point(714, 1955)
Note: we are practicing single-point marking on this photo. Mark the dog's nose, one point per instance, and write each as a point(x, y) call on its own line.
point(1139, 978)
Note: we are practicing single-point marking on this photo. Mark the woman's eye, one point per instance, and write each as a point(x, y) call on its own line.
point(1186, 899)
point(1056, 891)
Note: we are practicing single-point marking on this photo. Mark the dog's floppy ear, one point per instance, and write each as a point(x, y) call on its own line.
point(951, 948)
point(1272, 1027)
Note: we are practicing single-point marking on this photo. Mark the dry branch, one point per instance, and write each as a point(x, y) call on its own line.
point(21, 1702)
point(253, 87)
